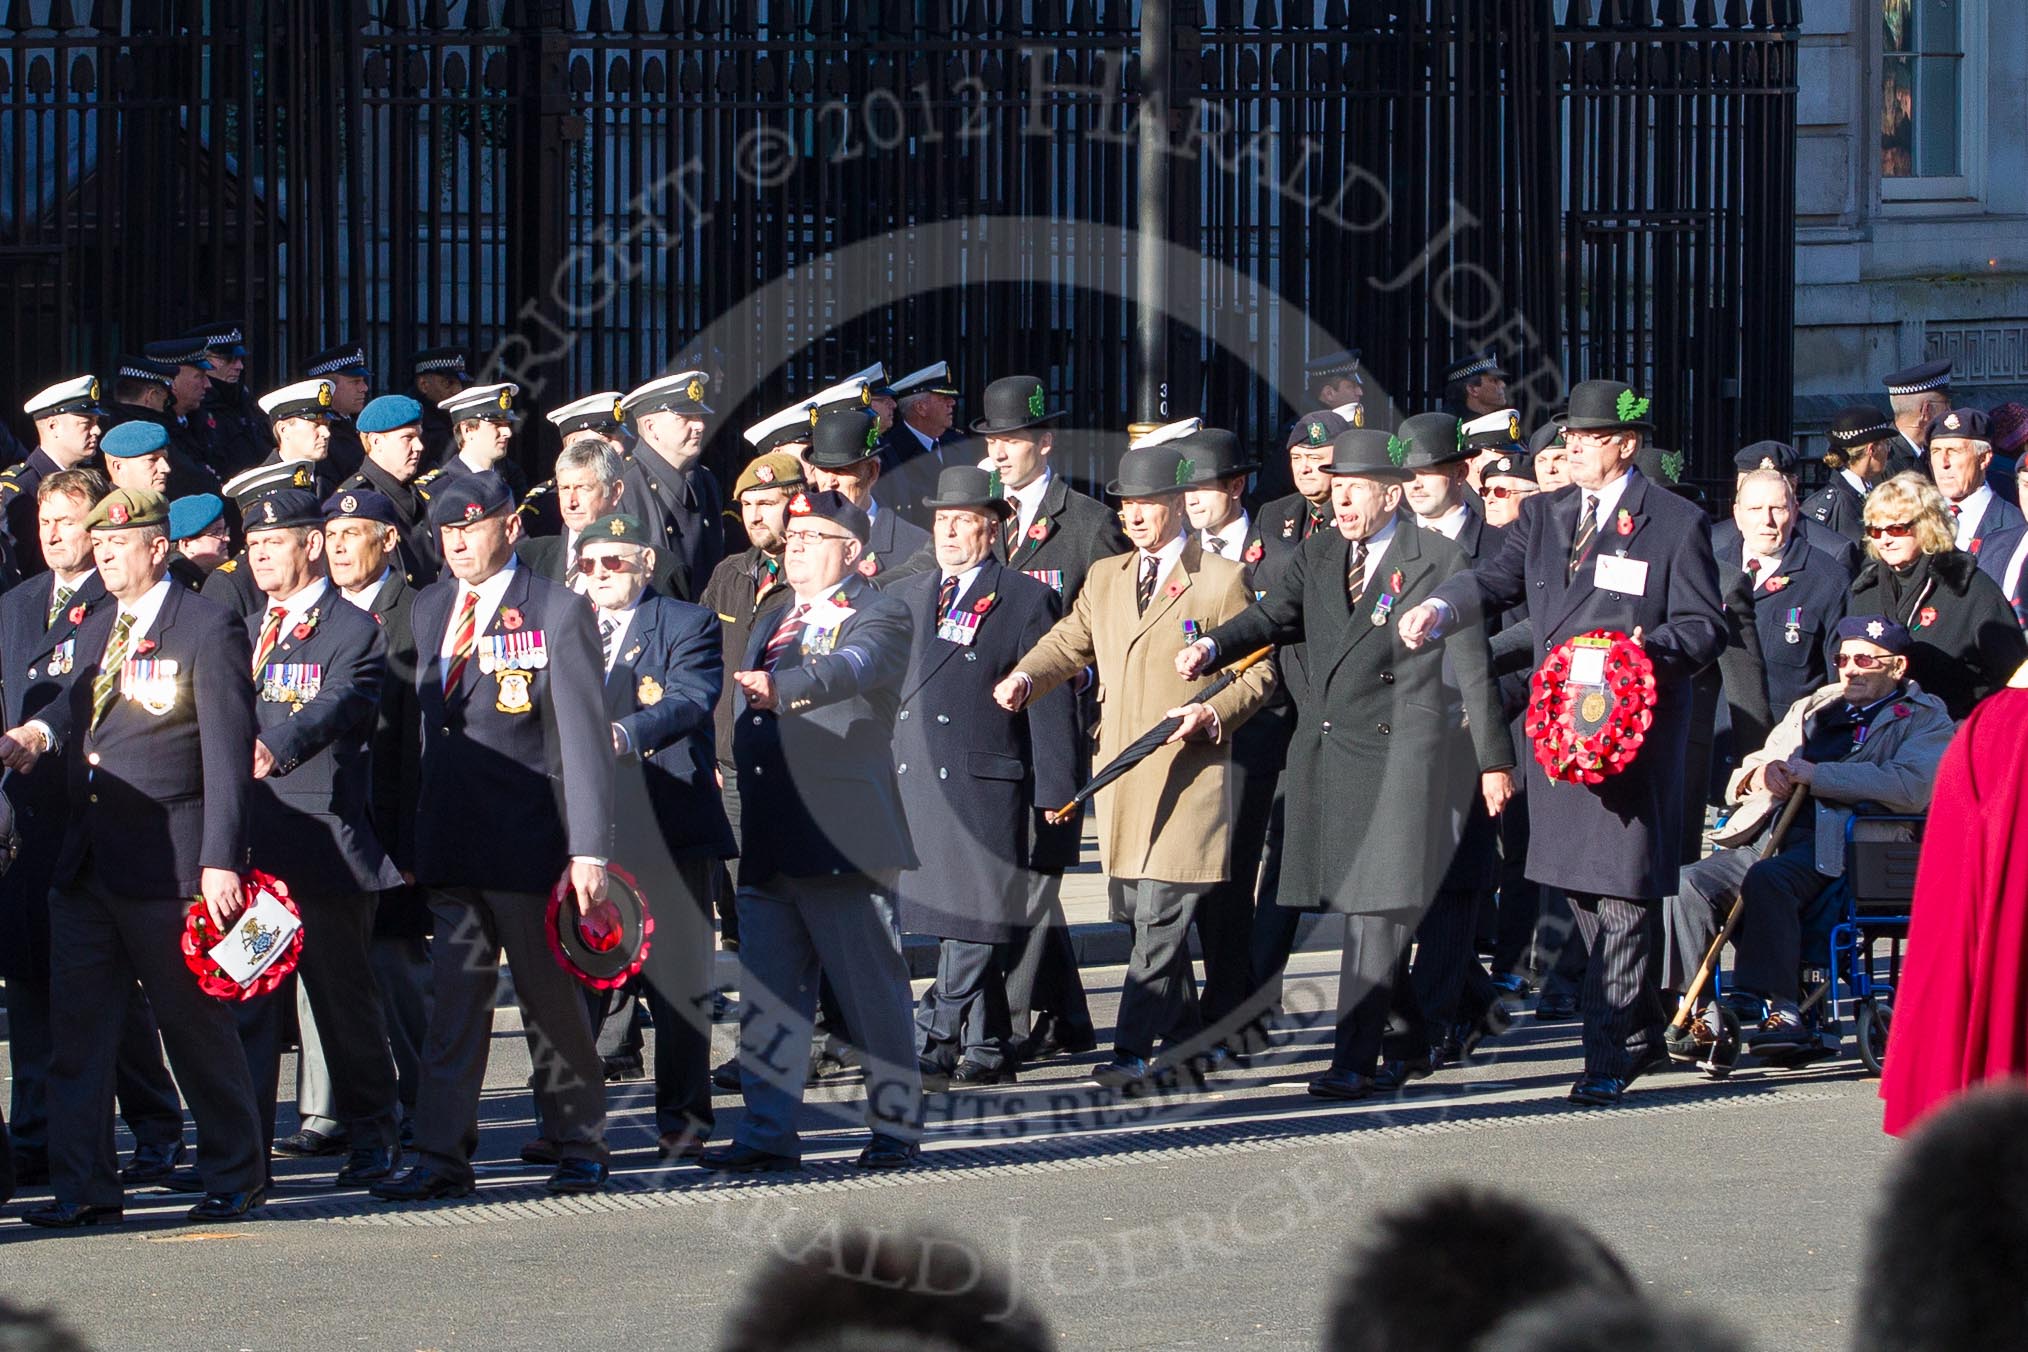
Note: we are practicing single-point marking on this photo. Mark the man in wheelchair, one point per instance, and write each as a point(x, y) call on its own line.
point(1872, 740)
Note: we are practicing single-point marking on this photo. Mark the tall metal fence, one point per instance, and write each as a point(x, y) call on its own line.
point(595, 190)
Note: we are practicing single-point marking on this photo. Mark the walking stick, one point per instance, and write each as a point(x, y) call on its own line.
point(1144, 745)
point(1732, 918)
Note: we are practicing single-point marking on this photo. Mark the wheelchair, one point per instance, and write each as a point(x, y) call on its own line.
point(1842, 934)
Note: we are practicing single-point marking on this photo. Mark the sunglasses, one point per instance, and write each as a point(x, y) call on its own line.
point(603, 563)
point(1899, 530)
point(1502, 491)
point(1861, 661)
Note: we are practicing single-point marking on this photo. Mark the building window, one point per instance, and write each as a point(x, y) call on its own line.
point(1922, 89)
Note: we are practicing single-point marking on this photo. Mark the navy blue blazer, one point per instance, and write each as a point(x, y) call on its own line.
point(158, 791)
point(397, 732)
point(1621, 838)
point(660, 693)
point(971, 774)
point(1805, 597)
point(315, 700)
point(2001, 527)
point(816, 774)
point(517, 763)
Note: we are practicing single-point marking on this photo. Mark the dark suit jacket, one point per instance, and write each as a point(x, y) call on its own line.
point(157, 798)
point(816, 774)
point(685, 516)
point(311, 823)
point(420, 560)
point(1808, 585)
point(971, 774)
point(1620, 838)
point(735, 594)
point(661, 692)
point(397, 728)
point(895, 549)
point(21, 547)
point(231, 585)
point(1839, 507)
point(908, 472)
point(1727, 542)
point(1075, 532)
point(1385, 761)
point(2001, 527)
point(513, 786)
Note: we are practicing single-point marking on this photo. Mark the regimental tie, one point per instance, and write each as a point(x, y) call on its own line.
point(1587, 531)
point(1313, 517)
point(271, 633)
point(1144, 588)
point(62, 598)
point(1355, 576)
point(1215, 544)
point(106, 684)
point(609, 629)
point(465, 638)
point(1752, 574)
point(947, 596)
point(784, 637)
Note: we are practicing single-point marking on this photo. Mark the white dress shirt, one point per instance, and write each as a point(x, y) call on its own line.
point(1608, 500)
point(1971, 512)
point(490, 591)
point(1769, 566)
point(363, 597)
point(1165, 560)
point(1376, 545)
point(1028, 501)
point(295, 607)
point(1231, 538)
point(1449, 524)
point(965, 581)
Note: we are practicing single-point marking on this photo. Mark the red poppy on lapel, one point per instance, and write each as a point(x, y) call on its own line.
point(77, 614)
point(300, 632)
point(1039, 531)
point(1394, 582)
point(1901, 711)
point(868, 566)
point(510, 618)
point(1776, 583)
point(1626, 522)
point(985, 603)
point(1173, 590)
point(1253, 552)
point(1926, 618)
point(144, 647)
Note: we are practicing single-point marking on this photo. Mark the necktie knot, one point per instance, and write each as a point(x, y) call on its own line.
point(947, 595)
point(1144, 589)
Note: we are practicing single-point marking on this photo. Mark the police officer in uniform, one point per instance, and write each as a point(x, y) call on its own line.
point(160, 729)
point(669, 486)
point(967, 771)
point(393, 434)
point(663, 672)
point(1055, 535)
point(191, 430)
point(1617, 553)
point(344, 365)
point(826, 838)
point(319, 666)
point(239, 431)
point(1860, 437)
point(142, 394)
point(844, 457)
point(508, 689)
point(66, 417)
point(1476, 385)
point(439, 374)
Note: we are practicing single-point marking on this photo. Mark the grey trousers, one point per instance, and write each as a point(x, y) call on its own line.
point(1158, 1003)
point(788, 926)
point(1621, 999)
point(401, 981)
point(963, 1015)
point(101, 944)
point(473, 928)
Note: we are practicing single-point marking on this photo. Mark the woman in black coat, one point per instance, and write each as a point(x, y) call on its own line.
point(1967, 640)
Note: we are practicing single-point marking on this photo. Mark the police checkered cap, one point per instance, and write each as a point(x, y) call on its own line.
point(346, 359)
point(143, 368)
point(1920, 378)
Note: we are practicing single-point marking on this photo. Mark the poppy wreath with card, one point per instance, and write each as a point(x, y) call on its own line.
point(1583, 733)
point(200, 936)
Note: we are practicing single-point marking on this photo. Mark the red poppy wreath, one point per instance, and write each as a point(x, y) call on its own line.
point(1590, 706)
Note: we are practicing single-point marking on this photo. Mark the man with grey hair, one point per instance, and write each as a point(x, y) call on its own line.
point(589, 484)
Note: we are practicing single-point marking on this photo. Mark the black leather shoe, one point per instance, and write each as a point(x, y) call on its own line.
point(1123, 1072)
point(153, 1163)
point(725, 1075)
point(370, 1165)
point(624, 1068)
point(1469, 1033)
point(73, 1216)
point(541, 1150)
point(1342, 1084)
point(1598, 1091)
point(738, 1158)
point(1397, 1075)
point(420, 1184)
point(228, 1206)
point(680, 1146)
point(888, 1152)
point(311, 1142)
point(1553, 1008)
point(1056, 1038)
point(970, 1074)
point(576, 1176)
point(1220, 1060)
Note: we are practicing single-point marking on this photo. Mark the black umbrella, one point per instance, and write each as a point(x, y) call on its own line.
point(1144, 746)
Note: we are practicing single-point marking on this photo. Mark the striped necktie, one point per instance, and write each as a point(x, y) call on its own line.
point(608, 628)
point(947, 596)
point(1144, 589)
point(106, 684)
point(271, 633)
point(1355, 576)
point(62, 596)
point(1587, 531)
point(466, 633)
point(784, 637)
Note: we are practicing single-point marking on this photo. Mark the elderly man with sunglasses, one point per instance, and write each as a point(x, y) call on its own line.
point(1873, 736)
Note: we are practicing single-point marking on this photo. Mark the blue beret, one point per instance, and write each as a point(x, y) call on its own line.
point(389, 412)
point(195, 514)
point(1877, 630)
point(469, 498)
point(832, 506)
point(130, 439)
point(363, 504)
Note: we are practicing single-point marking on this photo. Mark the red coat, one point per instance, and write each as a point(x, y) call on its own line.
point(1961, 1013)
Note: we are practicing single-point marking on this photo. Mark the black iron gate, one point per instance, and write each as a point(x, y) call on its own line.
point(594, 190)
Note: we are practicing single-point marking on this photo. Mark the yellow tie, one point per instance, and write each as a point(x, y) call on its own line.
point(106, 685)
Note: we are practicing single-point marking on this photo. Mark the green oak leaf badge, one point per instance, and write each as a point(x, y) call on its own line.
point(1035, 403)
point(1185, 468)
point(1672, 465)
point(1632, 407)
point(873, 437)
point(1397, 450)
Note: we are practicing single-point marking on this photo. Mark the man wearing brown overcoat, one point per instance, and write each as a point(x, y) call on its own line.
point(1163, 828)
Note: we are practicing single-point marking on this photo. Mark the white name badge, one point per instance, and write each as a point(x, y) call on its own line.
point(1626, 576)
point(261, 935)
point(1587, 665)
point(826, 615)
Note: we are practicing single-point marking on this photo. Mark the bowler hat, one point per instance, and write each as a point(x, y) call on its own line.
point(1432, 439)
point(1369, 453)
point(971, 487)
point(1606, 406)
point(1014, 403)
point(1151, 472)
point(841, 440)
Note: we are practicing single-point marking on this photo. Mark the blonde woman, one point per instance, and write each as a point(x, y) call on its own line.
point(1967, 640)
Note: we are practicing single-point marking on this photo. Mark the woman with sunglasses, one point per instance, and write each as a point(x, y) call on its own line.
point(1966, 639)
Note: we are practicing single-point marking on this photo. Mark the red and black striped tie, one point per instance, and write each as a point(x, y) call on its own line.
point(791, 628)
